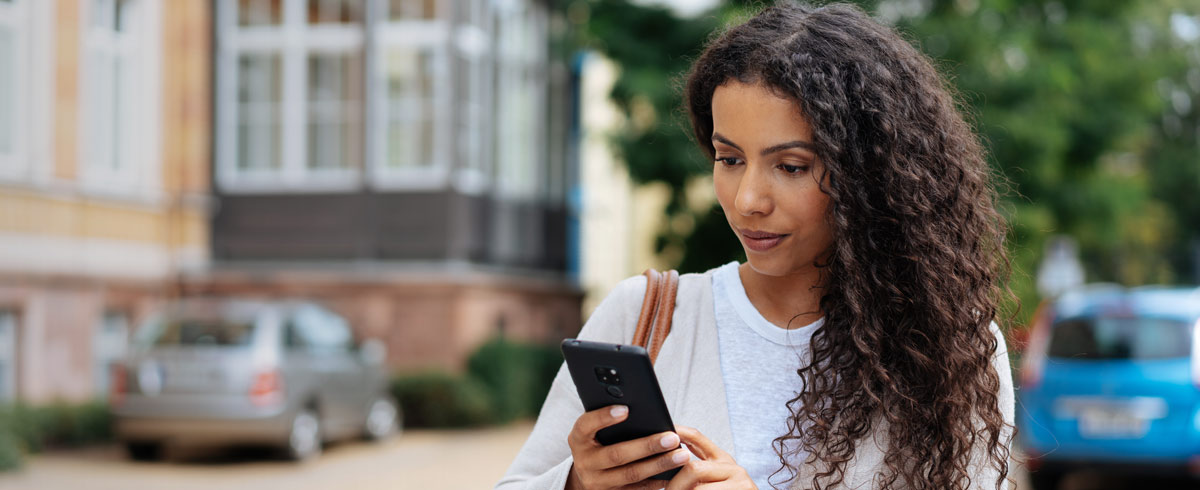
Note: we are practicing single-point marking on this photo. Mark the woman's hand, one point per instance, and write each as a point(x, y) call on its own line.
point(716, 469)
point(625, 465)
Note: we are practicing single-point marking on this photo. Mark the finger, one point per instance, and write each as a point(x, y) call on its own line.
point(642, 470)
point(636, 449)
point(725, 485)
point(646, 485)
point(583, 434)
point(701, 445)
point(697, 472)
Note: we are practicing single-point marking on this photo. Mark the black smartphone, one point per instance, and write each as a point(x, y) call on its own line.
point(614, 374)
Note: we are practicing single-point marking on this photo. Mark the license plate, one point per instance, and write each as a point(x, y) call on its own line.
point(1108, 423)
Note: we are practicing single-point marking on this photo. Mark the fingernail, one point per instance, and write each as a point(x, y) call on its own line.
point(619, 411)
point(680, 457)
point(669, 441)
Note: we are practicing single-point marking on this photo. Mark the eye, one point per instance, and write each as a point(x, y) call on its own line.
point(727, 161)
point(793, 169)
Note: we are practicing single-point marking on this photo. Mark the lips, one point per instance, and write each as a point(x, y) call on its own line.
point(760, 241)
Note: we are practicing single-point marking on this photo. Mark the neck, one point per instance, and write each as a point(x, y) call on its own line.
point(789, 301)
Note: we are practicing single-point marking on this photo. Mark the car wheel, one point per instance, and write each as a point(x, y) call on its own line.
point(383, 419)
point(1045, 479)
point(304, 437)
point(144, 451)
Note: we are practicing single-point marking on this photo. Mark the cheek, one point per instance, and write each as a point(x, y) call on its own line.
point(725, 188)
point(811, 210)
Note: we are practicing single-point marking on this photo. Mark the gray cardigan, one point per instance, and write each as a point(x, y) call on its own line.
point(689, 373)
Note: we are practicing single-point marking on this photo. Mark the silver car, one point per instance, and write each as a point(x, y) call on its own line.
point(283, 373)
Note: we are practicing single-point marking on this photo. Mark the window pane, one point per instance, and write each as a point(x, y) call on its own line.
point(335, 11)
point(259, 89)
point(412, 9)
point(204, 331)
point(335, 88)
point(123, 16)
point(409, 73)
point(108, 346)
point(1120, 338)
point(8, 356)
point(8, 94)
point(259, 12)
point(101, 91)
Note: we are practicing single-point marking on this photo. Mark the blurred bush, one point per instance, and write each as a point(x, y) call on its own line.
point(440, 399)
point(30, 429)
point(505, 380)
point(517, 376)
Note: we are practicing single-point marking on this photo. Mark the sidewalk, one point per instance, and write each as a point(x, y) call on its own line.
point(419, 459)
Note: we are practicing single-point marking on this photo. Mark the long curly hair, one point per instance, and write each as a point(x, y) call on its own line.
point(914, 277)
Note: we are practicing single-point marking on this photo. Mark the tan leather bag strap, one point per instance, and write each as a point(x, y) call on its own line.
point(658, 305)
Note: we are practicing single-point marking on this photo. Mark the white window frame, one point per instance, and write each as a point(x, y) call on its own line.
point(473, 45)
point(433, 35)
point(294, 39)
point(521, 58)
point(14, 164)
point(139, 113)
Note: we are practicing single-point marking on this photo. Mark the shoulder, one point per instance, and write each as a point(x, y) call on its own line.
point(615, 318)
point(632, 290)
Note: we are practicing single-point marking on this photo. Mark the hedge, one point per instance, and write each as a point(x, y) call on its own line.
point(504, 380)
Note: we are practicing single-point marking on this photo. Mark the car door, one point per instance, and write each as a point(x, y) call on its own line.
point(328, 351)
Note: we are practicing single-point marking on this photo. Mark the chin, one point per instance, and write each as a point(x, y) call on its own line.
point(768, 266)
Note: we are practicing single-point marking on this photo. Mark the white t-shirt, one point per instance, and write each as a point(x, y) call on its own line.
point(758, 362)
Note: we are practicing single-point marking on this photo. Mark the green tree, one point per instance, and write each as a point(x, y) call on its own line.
point(1084, 105)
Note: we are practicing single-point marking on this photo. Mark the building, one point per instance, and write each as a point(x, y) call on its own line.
point(104, 158)
point(404, 161)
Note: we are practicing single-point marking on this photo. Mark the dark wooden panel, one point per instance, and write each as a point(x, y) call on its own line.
point(393, 226)
point(314, 226)
point(412, 226)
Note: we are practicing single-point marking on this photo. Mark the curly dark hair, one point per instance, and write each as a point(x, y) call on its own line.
point(915, 275)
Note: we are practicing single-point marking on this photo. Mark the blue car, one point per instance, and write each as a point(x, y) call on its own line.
point(1111, 381)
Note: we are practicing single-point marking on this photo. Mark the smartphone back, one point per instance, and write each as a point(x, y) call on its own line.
point(613, 374)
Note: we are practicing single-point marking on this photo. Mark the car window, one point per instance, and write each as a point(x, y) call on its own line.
point(1120, 338)
point(186, 331)
point(317, 330)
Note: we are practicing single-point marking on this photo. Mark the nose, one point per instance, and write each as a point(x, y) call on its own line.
point(754, 192)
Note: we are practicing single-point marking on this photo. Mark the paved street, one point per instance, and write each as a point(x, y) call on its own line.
point(419, 459)
point(427, 460)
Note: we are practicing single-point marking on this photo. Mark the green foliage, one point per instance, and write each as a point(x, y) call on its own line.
point(438, 399)
point(517, 376)
point(1087, 108)
point(11, 457)
point(504, 380)
point(25, 428)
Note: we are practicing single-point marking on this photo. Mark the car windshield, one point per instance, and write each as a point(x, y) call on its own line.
point(197, 324)
point(1120, 338)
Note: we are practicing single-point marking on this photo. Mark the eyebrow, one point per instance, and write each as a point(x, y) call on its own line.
point(770, 149)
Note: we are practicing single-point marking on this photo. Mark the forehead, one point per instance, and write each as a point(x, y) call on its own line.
point(751, 114)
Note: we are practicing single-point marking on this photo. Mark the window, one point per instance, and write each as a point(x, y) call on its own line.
point(13, 92)
point(318, 331)
point(116, 86)
point(315, 95)
point(8, 355)
point(413, 73)
point(1137, 338)
point(291, 94)
point(473, 84)
point(109, 345)
point(520, 96)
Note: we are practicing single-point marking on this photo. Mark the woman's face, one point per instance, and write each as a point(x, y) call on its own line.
point(765, 176)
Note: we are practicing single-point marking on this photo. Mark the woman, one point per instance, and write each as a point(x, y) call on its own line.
point(855, 347)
